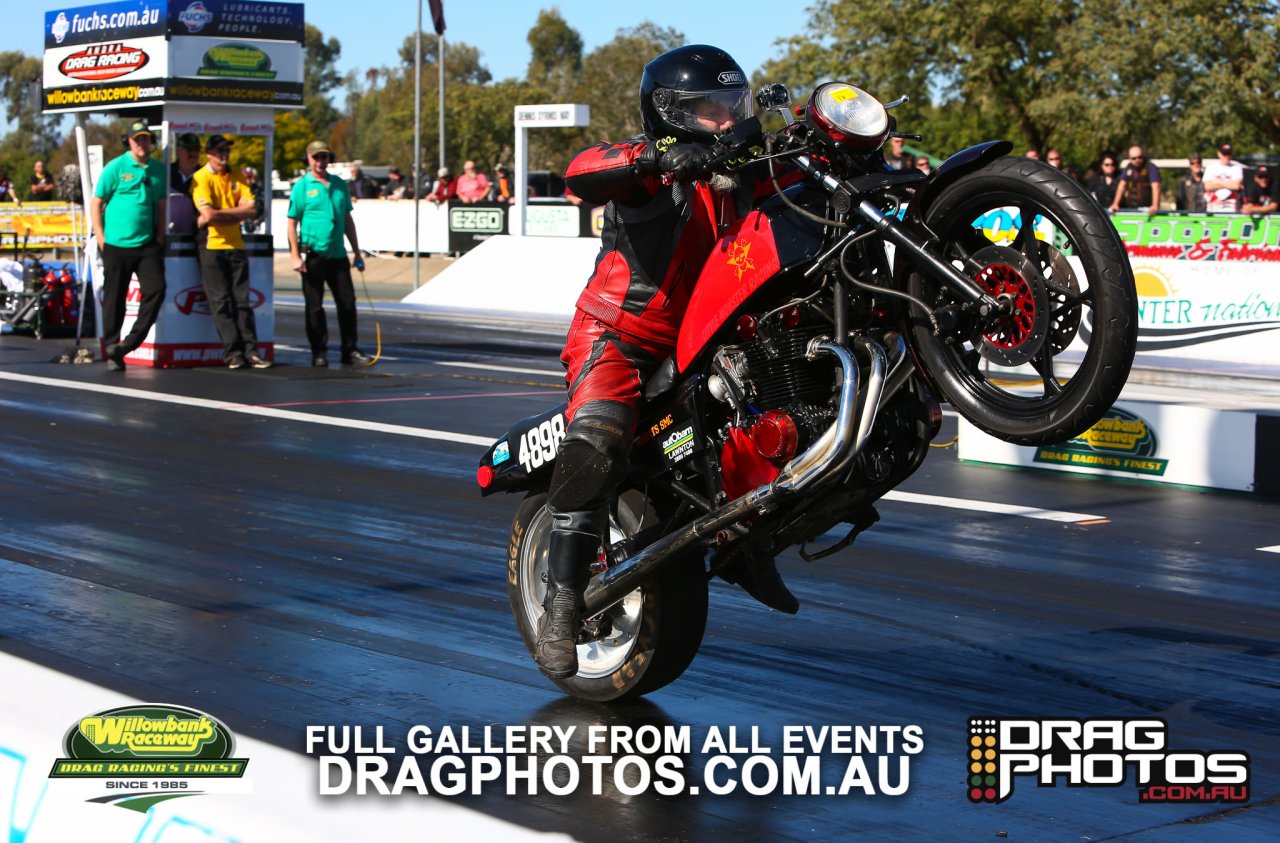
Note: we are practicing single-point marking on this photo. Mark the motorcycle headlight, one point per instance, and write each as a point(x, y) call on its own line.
point(848, 115)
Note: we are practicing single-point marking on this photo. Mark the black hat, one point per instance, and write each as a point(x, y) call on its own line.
point(216, 141)
point(140, 127)
point(1225, 149)
point(393, 171)
point(1195, 156)
point(1262, 171)
point(188, 140)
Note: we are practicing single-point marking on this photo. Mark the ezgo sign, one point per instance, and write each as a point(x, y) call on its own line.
point(471, 224)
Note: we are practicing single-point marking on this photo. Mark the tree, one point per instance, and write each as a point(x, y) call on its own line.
point(461, 61)
point(319, 77)
point(556, 59)
point(34, 136)
point(614, 71)
point(1054, 73)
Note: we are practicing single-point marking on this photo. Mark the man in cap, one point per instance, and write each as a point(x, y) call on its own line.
point(1260, 193)
point(319, 216)
point(182, 212)
point(128, 222)
point(1223, 183)
point(446, 187)
point(223, 201)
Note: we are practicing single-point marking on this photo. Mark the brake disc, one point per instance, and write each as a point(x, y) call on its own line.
point(1017, 335)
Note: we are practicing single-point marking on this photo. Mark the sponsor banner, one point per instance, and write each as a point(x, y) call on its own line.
point(237, 19)
point(242, 91)
point(184, 334)
point(1200, 237)
point(1166, 443)
point(104, 22)
point(103, 96)
point(472, 224)
point(552, 220)
point(44, 225)
point(227, 120)
point(136, 60)
point(216, 58)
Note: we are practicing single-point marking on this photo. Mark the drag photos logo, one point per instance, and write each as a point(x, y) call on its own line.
point(1099, 753)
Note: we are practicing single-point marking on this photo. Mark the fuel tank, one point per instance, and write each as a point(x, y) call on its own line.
point(759, 248)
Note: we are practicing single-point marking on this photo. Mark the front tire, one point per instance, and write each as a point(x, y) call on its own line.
point(655, 631)
point(1074, 278)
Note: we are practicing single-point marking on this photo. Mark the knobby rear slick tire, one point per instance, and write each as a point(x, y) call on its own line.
point(672, 614)
point(1102, 373)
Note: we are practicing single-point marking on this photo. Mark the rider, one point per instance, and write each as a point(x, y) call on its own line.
point(664, 214)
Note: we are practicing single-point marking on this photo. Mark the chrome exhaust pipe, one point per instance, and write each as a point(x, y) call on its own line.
point(820, 460)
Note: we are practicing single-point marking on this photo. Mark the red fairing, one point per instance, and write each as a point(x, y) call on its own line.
point(741, 262)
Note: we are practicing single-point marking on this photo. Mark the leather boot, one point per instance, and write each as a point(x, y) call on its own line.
point(757, 573)
point(573, 545)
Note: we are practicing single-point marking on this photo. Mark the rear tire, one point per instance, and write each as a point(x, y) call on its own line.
point(1056, 300)
point(657, 629)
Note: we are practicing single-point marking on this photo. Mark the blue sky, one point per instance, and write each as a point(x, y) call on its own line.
point(372, 32)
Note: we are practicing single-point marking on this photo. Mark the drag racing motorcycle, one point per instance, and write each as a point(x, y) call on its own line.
point(823, 332)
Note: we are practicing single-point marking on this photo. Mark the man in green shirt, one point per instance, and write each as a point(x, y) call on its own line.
point(128, 222)
point(319, 216)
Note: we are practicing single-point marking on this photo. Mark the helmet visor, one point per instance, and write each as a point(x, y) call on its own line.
point(710, 112)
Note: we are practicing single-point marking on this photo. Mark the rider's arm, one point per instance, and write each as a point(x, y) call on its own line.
point(612, 172)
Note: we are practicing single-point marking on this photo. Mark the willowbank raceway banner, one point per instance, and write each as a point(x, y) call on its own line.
point(133, 53)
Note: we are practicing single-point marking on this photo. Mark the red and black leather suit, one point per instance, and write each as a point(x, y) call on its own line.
point(655, 240)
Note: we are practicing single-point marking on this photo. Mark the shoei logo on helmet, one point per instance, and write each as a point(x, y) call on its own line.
point(731, 77)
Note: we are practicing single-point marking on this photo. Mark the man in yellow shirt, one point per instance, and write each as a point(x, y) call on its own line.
point(223, 202)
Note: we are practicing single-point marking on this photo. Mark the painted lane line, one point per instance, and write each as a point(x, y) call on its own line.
point(1275, 548)
point(550, 373)
point(246, 409)
point(999, 508)
point(413, 398)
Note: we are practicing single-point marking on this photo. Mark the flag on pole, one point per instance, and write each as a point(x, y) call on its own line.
point(437, 15)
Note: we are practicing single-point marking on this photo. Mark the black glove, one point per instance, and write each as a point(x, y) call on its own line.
point(684, 161)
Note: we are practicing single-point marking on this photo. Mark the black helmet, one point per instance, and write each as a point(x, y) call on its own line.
point(686, 91)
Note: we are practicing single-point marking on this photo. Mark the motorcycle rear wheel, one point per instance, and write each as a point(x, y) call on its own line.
point(1031, 400)
point(655, 632)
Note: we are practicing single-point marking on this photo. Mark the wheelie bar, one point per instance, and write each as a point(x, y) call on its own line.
point(821, 460)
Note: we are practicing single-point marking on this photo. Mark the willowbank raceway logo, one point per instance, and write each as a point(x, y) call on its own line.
point(1120, 441)
point(144, 754)
point(1099, 753)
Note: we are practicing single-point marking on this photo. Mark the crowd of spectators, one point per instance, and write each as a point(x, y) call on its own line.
point(1224, 186)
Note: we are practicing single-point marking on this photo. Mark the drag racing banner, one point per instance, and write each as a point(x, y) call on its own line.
point(41, 225)
point(138, 53)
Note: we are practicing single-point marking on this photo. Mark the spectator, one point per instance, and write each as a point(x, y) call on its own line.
point(7, 193)
point(1139, 187)
point(1054, 159)
point(472, 186)
point(224, 202)
point(501, 191)
point(127, 219)
point(41, 184)
point(362, 187)
point(319, 216)
point(1223, 183)
point(1103, 185)
point(895, 157)
point(1190, 191)
point(923, 165)
point(571, 197)
point(396, 187)
point(182, 211)
point(255, 189)
point(1033, 154)
point(1259, 193)
point(446, 187)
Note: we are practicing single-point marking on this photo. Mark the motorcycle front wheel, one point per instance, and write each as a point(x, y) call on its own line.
point(1033, 238)
point(648, 639)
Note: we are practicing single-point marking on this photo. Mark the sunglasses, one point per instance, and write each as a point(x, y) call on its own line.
point(322, 156)
point(1137, 158)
